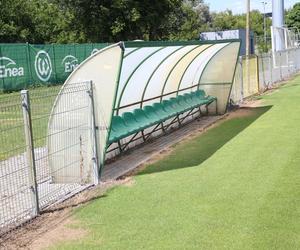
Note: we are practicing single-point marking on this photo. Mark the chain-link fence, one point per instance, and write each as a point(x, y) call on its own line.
point(27, 183)
point(277, 67)
point(259, 73)
point(15, 194)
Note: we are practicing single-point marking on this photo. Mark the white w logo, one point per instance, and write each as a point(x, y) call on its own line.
point(43, 66)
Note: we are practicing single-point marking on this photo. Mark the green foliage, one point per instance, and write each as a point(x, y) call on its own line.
point(116, 20)
point(35, 21)
point(66, 21)
point(293, 17)
point(191, 18)
point(63, 21)
point(226, 21)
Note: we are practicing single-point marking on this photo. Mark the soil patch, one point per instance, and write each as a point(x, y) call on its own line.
point(55, 223)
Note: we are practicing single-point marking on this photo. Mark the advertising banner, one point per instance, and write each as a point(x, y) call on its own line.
point(24, 65)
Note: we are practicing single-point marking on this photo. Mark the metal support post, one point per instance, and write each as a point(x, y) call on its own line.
point(30, 150)
point(95, 156)
point(241, 62)
point(280, 66)
point(271, 67)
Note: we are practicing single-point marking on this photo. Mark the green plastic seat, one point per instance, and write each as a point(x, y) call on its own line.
point(131, 123)
point(176, 105)
point(184, 105)
point(160, 111)
point(169, 107)
point(118, 129)
point(199, 98)
point(200, 93)
point(188, 99)
point(151, 114)
point(141, 118)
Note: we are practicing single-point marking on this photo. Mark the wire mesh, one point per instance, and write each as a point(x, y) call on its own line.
point(17, 199)
point(267, 71)
point(15, 195)
point(41, 107)
point(237, 86)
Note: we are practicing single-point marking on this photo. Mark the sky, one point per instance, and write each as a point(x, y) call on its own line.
point(239, 6)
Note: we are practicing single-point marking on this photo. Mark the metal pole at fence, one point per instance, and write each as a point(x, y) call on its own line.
point(280, 66)
point(30, 150)
point(95, 156)
point(271, 68)
point(242, 78)
point(257, 73)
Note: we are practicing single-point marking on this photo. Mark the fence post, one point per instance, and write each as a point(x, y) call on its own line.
point(30, 150)
point(260, 60)
point(29, 65)
point(242, 78)
point(280, 67)
point(271, 68)
point(257, 74)
point(95, 142)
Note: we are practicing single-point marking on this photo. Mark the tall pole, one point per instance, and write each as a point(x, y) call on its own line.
point(247, 28)
point(278, 25)
point(247, 76)
point(265, 25)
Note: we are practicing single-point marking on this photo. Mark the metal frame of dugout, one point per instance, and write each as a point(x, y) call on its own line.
point(130, 76)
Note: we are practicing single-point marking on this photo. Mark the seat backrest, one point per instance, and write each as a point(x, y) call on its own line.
point(180, 99)
point(139, 114)
point(128, 117)
point(194, 95)
point(167, 103)
point(174, 102)
point(200, 93)
point(117, 122)
point(188, 96)
point(149, 110)
point(158, 106)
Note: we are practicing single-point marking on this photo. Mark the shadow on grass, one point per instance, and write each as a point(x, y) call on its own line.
point(200, 148)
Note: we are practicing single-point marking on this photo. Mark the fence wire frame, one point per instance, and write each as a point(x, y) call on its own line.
point(17, 202)
point(273, 68)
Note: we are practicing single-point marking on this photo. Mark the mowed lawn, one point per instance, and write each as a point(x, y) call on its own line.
point(235, 187)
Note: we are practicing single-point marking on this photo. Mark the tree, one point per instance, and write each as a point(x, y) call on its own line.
point(35, 21)
point(189, 20)
point(114, 20)
point(226, 21)
point(293, 17)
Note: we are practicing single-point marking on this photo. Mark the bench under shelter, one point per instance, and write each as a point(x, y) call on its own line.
point(138, 90)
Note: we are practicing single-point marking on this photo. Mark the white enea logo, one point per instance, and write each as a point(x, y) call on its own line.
point(70, 63)
point(8, 68)
point(94, 51)
point(43, 66)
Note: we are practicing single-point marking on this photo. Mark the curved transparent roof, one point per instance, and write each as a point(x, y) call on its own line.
point(153, 71)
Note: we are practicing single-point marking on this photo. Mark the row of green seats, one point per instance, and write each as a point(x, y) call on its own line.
point(132, 122)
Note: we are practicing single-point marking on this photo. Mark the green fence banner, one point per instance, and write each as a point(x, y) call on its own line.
point(23, 65)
